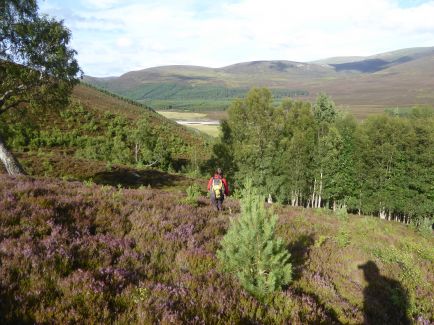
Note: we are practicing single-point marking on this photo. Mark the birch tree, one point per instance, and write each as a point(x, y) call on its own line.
point(37, 67)
point(325, 114)
point(299, 156)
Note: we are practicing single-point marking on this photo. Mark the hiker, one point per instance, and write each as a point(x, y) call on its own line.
point(218, 188)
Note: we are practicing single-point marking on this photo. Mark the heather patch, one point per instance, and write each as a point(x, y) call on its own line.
point(74, 253)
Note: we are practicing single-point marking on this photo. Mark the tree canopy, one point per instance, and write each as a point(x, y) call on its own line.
point(315, 156)
point(37, 66)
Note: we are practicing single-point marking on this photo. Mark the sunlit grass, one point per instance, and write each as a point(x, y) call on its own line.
point(212, 130)
point(182, 115)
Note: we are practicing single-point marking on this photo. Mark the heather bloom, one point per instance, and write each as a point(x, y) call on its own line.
point(71, 253)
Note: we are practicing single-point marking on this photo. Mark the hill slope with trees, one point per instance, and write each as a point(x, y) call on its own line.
point(96, 132)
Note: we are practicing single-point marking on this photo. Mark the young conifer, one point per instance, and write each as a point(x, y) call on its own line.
point(251, 251)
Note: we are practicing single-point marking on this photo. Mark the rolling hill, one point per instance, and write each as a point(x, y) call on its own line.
point(399, 78)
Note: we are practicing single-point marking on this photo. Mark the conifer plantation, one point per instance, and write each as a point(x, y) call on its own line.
point(105, 218)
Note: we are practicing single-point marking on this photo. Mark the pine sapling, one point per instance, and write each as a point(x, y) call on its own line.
point(251, 251)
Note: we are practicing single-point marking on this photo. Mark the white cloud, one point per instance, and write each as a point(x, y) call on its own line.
point(118, 36)
point(102, 4)
point(124, 42)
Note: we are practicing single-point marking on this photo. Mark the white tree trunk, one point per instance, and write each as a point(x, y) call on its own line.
point(320, 192)
point(382, 214)
point(313, 194)
point(136, 152)
point(12, 166)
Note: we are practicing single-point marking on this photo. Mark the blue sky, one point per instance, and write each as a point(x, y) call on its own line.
point(116, 36)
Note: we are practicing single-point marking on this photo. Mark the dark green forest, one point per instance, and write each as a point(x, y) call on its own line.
point(313, 155)
point(191, 97)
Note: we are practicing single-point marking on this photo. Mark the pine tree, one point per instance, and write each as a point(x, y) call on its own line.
point(251, 251)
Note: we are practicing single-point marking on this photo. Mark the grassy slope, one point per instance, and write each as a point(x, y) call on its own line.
point(159, 256)
point(402, 83)
point(61, 162)
point(102, 102)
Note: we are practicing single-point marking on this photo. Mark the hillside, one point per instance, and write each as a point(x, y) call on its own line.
point(73, 253)
point(98, 134)
point(398, 78)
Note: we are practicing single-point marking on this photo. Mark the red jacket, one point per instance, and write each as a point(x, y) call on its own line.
point(224, 181)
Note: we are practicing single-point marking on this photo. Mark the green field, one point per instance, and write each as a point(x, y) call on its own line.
point(212, 130)
point(173, 115)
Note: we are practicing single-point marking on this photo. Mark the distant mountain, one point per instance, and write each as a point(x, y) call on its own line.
point(403, 77)
point(377, 62)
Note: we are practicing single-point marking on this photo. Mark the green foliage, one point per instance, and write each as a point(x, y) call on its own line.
point(317, 157)
point(250, 140)
point(251, 251)
point(36, 64)
point(414, 112)
point(343, 238)
point(410, 275)
point(321, 240)
point(324, 109)
point(424, 226)
point(342, 213)
point(190, 97)
point(193, 193)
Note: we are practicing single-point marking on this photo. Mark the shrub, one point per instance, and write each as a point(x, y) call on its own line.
point(342, 213)
point(193, 193)
point(424, 226)
point(251, 251)
point(343, 238)
point(321, 240)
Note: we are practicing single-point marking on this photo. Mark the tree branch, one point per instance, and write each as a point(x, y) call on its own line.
point(8, 94)
point(14, 104)
point(152, 163)
point(5, 97)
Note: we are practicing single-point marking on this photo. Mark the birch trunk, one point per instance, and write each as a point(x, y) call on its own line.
point(293, 198)
point(313, 193)
point(12, 166)
point(382, 214)
point(320, 192)
point(136, 152)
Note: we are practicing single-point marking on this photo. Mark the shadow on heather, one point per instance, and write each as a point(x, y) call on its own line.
point(385, 300)
point(299, 250)
point(130, 178)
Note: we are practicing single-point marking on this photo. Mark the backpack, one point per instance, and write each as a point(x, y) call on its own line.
point(217, 187)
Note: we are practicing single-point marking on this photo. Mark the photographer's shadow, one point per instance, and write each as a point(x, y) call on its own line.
point(385, 300)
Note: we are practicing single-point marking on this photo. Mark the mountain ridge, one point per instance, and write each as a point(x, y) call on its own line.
point(360, 77)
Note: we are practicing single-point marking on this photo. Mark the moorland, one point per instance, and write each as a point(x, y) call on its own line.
point(105, 214)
